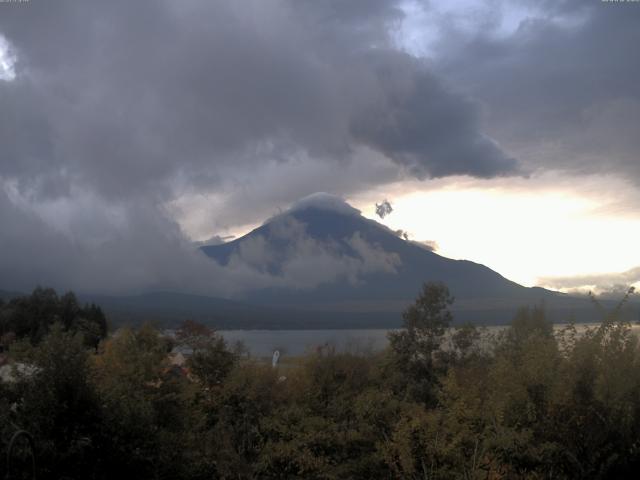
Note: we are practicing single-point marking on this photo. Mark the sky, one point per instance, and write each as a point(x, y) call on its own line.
point(506, 132)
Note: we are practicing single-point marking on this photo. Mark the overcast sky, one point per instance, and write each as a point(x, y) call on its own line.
point(508, 132)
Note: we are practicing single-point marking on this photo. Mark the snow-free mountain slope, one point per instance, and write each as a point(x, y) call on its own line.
point(381, 270)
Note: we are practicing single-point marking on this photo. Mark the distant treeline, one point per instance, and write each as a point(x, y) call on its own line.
point(525, 403)
point(31, 317)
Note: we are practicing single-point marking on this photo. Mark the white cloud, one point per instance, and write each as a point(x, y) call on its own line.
point(7, 61)
point(324, 201)
point(599, 282)
point(294, 259)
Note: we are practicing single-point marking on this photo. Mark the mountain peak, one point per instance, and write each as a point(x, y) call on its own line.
point(323, 252)
point(323, 201)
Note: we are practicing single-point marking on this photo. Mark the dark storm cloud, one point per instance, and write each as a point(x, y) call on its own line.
point(420, 124)
point(133, 104)
point(146, 252)
point(561, 91)
point(384, 208)
point(123, 95)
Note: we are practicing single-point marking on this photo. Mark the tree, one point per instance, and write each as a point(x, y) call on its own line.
point(213, 363)
point(32, 317)
point(466, 342)
point(58, 405)
point(127, 374)
point(92, 323)
point(414, 348)
point(194, 335)
point(210, 360)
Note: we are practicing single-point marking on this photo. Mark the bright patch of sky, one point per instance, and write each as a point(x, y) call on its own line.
point(523, 235)
point(424, 26)
point(526, 229)
point(7, 61)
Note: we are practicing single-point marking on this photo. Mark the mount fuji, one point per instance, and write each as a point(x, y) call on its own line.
point(324, 256)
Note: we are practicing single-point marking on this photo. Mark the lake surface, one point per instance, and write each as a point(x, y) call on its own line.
point(262, 343)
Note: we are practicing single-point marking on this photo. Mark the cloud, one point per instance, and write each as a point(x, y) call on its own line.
point(599, 282)
point(424, 126)
point(163, 259)
point(383, 209)
point(247, 196)
point(373, 258)
point(121, 119)
point(144, 251)
point(402, 234)
point(148, 109)
point(287, 257)
point(125, 106)
point(324, 201)
point(7, 60)
point(214, 240)
point(559, 87)
point(430, 245)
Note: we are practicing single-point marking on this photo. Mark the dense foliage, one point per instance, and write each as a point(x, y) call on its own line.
point(32, 317)
point(529, 402)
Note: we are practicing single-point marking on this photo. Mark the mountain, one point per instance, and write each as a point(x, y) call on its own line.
point(167, 309)
point(321, 264)
point(324, 256)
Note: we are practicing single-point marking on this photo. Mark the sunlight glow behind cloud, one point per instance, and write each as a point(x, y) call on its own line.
point(522, 235)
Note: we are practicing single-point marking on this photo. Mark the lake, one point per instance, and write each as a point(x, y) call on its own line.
point(262, 343)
